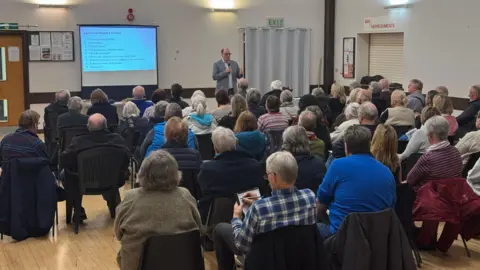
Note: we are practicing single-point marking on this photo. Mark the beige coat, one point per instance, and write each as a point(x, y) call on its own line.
point(400, 116)
point(143, 213)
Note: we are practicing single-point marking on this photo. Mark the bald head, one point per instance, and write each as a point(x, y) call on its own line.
point(138, 92)
point(384, 83)
point(368, 113)
point(97, 122)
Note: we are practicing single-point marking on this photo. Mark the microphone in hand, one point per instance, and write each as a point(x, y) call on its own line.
point(228, 68)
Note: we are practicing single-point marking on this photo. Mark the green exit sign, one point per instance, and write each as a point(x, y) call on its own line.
point(275, 22)
point(8, 26)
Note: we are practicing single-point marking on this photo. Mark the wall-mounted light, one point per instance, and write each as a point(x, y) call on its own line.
point(222, 5)
point(398, 4)
point(53, 6)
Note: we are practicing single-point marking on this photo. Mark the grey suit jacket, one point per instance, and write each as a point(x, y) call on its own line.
point(221, 76)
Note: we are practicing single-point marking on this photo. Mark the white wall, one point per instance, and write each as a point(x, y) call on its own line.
point(186, 25)
point(440, 39)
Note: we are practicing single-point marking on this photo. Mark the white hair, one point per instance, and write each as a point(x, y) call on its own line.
point(351, 111)
point(284, 165)
point(295, 139)
point(223, 139)
point(286, 96)
point(276, 85)
point(384, 83)
point(197, 93)
point(130, 110)
point(138, 92)
point(318, 92)
point(375, 87)
point(62, 96)
point(75, 104)
point(199, 105)
point(438, 127)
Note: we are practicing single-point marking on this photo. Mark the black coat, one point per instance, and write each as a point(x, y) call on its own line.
point(257, 110)
point(275, 92)
point(311, 170)
point(466, 120)
point(386, 97)
point(179, 101)
point(139, 124)
point(228, 121)
point(321, 131)
point(105, 109)
point(227, 174)
point(288, 248)
point(371, 241)
point(380, 103)
point(72, 119)
point(336, 106)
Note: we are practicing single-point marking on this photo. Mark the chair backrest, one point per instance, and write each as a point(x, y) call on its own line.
point(471, 162)
point(409, 163)
point(401, 130)
point(100, 168)
point(451, 140)
point(173, 252)
point(221, 210)
point(402, 145)
point(274, 141)
point(113, 128)
point(205, 146)
point(66, 135)
point(131, 138)
point(51, 127)
point(403, 207)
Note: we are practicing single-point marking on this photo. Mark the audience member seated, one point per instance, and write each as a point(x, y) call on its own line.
point(441, 160)
point(276, 89)
point(139, 99)
point(155, 138)
point(445, 106)
point(199, 121)
point(158, 112)
point(356, 183)
point(51, 113)
point(250, 140)
point(367, 116)
point(310, 103)
point(364, 95)
point(308, 120)
point(239, 105)
point(418, 141)
point(131, 119)
point(338, 100)
point(73, 118)
point(351, 118)
point(242, 86)
point(384, 149)
point(253, 101)
point(470, 143)
point(157, 96)
point(429, 97)
point(473, 178)
point(443, 90)
point(466, 120)
point(229, 172)
point(376, 90)
point(287, 108)
point(158, 207)
point(188, 110)
point(100, 105)
point(224, 107)
point(287, 206)
point(385, 94)
point(273, 119)
point(323, 102)
point(354, 92)
point(416, 100)
point(98, 136)
point(24, 142)
point(398, 114)
point(177, 90)
point(311, 169)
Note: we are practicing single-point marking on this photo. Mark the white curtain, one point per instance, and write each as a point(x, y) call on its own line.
point(278, 54)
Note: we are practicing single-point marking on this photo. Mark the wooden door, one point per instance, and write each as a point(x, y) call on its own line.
point(12, 98)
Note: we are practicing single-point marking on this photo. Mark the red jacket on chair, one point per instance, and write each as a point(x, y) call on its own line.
point(449, 200)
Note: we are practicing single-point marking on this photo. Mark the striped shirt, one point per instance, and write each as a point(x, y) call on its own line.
point(286, 207)
point(435, 164)
point(21, 144)
point(272, 121)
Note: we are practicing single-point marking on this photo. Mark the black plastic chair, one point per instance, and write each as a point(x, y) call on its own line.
point(163, 251)
point(409, 163)
point(99, 170)
point(131, 139)
point(221, 210)
point(205, 146)
point(471, 162)
point(451, 140)
point(113, 128)
point(401, 130)
point(402, 145)
point(66, 135)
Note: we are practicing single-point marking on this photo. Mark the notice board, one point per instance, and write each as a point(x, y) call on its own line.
point(51, 46)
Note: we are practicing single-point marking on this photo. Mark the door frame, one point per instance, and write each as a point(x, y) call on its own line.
point(25, 53)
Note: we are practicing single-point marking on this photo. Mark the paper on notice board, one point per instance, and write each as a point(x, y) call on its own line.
point(34, 40)
point(45, 53)
point(56, 39)
point(67, 38)
point(45, 39)
point(13, 54)
point(57, 53)
point(34, 53)
point(67, 55)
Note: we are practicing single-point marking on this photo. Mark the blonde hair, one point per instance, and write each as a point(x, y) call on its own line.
point(443, 103)
point(246, 121)
point(338, 91)
point(384, 146)
point(399, 98)
point(353, 95)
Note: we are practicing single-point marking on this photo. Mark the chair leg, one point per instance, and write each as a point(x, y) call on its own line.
point(68, 210)
point(56, 216)
point(77, 212)
point(466, 247)
point(131, 173)
point(1, 236)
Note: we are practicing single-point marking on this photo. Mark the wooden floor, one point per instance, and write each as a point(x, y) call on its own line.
point(95, 247)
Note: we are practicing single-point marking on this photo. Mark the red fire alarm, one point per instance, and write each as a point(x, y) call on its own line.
point(130, 16)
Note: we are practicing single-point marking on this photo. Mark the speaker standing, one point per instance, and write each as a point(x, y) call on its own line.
point(226, 72)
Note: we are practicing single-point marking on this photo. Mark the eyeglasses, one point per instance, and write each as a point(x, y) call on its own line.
point(228, 54)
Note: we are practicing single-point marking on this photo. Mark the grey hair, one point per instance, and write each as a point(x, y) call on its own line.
point(62, 96)
point(438, 127)
point(130, 110)
point(476, 88)
point(75, 104)
point(173, 109)
point(199, 105)
point(141, 93)
point(351, 111)
point(308, 120)
point(318, 92)
point(239, 105)
point(160, 109)
point(375, 87)
point(253, 96)
point(284, 165)
point(442, 90)
point(159, 171)
point(317, 111)
point(353, 95)
point(286, 96)
point(295, 140)
point(276, 85)
point(355, 85)
point(242, 87)
point(224, 139)
point(368, 111)
point(384, 83)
